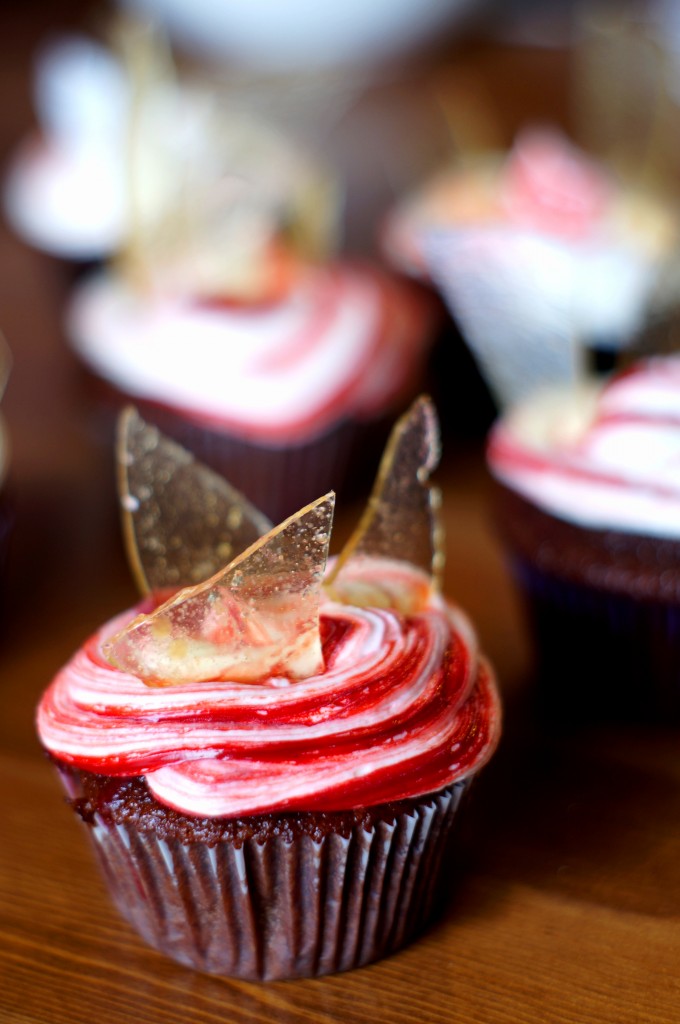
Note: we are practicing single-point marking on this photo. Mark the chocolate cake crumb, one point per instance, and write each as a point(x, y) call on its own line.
point(129, 801)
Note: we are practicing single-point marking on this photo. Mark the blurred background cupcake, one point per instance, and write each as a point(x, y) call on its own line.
point(549, 262)
point(223, 310)
point(559, 264)
point(588, 505)
point(64, 188)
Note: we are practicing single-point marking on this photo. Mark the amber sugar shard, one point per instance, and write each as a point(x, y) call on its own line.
point(400, 521)
point(181, 521)
point(257, 618)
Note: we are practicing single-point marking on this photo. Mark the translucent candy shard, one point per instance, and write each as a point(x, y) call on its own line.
point(257, 618)
point(400, 521)
point(155, 169)
point(181, 521)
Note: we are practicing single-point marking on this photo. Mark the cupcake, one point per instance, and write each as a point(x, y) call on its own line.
point(270, 761)
point(546, 260)
point(226, 316)
point(588, 505)
point(121, 131)
point(278, 397)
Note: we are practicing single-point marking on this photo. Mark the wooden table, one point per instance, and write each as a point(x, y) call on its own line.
point(567, 906)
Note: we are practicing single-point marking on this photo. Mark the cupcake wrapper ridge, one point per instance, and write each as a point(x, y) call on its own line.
point(281, 909)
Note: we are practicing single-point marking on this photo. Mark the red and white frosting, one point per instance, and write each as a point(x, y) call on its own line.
point(345, 342)
point(603, 456)
point(544, 184)
point(404, 706)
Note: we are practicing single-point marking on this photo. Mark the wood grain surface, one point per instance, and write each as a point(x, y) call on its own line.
point(566, 900)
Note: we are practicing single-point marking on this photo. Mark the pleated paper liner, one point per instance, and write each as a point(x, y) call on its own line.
point(291, 905)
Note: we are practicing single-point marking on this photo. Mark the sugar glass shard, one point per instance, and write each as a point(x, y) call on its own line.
point(257, 618)
point(400, 521)
point(181, 521)
point(155, 169)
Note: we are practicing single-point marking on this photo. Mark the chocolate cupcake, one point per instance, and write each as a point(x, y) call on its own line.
point(588, 504)
point(270, 760)
point(279, 396)
point(223, 311)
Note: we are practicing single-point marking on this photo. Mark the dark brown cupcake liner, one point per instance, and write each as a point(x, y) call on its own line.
point(603, 607)
point(601, 655)
point(277, 479)
point(283, 907)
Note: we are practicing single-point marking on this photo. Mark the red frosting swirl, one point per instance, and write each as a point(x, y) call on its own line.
point(403, 707)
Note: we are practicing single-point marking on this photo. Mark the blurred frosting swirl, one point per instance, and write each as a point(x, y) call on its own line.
point(344, 343)
point(605, 456)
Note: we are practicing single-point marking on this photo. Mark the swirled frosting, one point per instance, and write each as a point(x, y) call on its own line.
point(605, 456)
point(404, 706)
point(343, 343)
point(544, 185)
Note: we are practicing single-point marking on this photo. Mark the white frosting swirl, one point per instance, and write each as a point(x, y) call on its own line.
point(604, 456)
